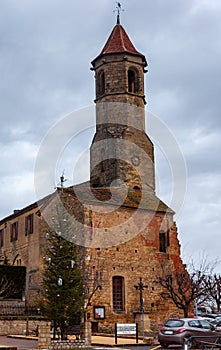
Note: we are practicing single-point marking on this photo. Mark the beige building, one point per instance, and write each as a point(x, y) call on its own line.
point(126, 233)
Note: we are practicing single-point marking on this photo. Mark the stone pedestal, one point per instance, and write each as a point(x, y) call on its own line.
point(143, 322)
point(44, 335)
point(86, 333)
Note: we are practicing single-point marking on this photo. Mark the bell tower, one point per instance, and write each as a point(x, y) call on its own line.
point(121, 150)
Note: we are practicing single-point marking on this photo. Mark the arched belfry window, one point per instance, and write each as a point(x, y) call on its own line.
point(101, 83)
point(118, 293)
point(133, 81)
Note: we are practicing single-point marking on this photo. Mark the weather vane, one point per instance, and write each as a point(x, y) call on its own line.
point(62, 180)
point(118, 10)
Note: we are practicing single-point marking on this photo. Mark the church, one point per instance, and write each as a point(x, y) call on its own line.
point(126, 234)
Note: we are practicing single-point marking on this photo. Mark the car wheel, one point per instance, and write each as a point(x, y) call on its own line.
point(163, 345)
point(190, 344)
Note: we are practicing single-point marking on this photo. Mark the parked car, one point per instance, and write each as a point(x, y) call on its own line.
point(217, 323)
point(212, 316)
point(175, 330)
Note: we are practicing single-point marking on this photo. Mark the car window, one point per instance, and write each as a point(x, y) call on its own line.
point(194, 323)
point(174, 323)
point(216, 322)
point(205, 324)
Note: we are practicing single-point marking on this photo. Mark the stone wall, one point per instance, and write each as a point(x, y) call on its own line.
point(66, 344)
point(18, 327)
point(44, 335)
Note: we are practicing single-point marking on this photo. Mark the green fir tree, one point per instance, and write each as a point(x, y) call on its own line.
point(62, 287)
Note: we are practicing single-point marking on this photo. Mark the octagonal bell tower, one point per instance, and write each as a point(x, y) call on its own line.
point(121, 150)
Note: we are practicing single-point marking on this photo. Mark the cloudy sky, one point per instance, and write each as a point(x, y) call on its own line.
point(45, 52)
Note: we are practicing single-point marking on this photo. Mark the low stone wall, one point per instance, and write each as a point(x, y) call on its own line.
point(66, 344)
point(18, 326)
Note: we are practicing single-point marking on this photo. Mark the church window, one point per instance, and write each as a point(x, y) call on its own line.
point(14, 231)
point(118, 294)
point(29, 224)
point(1, 238)
point(162, 237)
point(101, 83)
point(133, 84)
point(168, 238)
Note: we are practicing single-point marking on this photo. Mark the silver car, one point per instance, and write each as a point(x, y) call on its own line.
point(175, 330)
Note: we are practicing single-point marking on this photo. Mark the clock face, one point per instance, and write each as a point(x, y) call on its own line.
point(135, 160)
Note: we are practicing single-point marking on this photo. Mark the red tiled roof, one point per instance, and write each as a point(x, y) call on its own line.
point(119, 42)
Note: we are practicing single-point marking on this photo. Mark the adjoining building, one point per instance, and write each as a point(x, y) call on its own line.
point(126, 233)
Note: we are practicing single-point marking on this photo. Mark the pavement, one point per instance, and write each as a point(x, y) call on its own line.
point(110, 341)
point(31, 343)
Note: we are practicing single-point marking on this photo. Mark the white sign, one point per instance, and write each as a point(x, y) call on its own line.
point(126, 328)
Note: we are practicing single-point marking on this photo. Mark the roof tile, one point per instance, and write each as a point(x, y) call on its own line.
point(119, 42)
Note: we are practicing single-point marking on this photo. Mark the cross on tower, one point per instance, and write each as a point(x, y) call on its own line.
point(118, 10)
point(140, 286)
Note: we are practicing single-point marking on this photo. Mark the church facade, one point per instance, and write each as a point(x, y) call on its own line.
point(126, 234)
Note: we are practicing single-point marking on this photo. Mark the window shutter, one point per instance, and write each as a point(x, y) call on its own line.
point(26, 225)
point(16, 230)
point(31, 223)
point(11, 232)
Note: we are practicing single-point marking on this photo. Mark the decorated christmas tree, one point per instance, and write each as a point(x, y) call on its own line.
point(62, 287)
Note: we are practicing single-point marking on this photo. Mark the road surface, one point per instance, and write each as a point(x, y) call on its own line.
point(21, 344)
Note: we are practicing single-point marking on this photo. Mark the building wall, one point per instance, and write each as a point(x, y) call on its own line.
point(117, 241)
point(137, 257)
point(23, 248)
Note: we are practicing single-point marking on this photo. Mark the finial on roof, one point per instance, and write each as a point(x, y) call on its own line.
point(118, 10)
point(62, 180)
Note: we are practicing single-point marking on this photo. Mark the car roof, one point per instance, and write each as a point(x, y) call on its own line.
point(184, 318)
point(187, 319)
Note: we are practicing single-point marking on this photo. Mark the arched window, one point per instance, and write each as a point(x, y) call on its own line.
point(101, 83)
point(163, 243)
point(133, 82)
point(118, 294)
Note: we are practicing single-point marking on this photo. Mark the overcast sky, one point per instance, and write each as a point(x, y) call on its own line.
point(45, 52)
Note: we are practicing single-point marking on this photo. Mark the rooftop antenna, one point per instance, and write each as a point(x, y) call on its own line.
point(62, 180)
point(118, 10)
